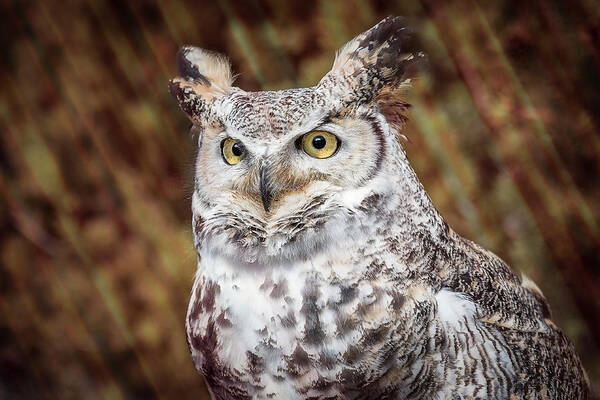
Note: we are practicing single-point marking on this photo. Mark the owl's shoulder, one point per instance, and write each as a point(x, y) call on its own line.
point(503, 297)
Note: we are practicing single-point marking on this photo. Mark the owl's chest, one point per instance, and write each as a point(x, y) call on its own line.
point(286, 330)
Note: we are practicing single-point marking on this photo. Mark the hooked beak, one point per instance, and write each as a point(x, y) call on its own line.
point(265, 187)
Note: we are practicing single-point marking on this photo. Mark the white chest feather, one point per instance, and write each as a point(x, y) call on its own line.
point(294, 330)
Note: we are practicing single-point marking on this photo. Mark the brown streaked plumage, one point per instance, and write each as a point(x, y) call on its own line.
point(336, 277)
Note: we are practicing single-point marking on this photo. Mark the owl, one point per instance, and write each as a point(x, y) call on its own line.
point(324, 270)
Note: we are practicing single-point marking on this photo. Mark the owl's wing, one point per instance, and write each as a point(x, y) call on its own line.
point(514, 311)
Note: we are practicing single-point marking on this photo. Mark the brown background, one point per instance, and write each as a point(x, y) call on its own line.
point(96, 258)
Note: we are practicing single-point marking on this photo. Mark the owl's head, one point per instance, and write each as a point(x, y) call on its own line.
point(280, 173)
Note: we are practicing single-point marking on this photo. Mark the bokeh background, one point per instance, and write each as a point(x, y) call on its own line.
point(96, 255)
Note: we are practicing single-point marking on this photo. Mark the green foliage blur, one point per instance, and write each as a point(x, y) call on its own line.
point(96, 254)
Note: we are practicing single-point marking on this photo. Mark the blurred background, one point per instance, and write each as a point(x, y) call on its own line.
point(96, 255)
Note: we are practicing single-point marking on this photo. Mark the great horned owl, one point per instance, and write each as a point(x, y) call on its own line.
point(324, 270)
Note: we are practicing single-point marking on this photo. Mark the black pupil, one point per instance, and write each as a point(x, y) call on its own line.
point(237, 150)
point(319, 142)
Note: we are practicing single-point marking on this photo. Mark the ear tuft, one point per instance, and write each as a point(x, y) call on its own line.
point(387, 55)
point(206, 67)
point(204, 77)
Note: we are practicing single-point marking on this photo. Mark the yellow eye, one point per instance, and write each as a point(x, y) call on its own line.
point(319, 144)
point(233, 151)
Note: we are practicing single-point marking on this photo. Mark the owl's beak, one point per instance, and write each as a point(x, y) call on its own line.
point(265, 187)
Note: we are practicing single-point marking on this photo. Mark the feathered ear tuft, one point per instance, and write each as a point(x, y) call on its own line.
point(376, 65)
point(204, 77)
